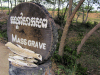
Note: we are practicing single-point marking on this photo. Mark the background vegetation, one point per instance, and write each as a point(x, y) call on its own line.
point(87, 62)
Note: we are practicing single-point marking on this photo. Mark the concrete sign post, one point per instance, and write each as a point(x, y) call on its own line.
point(31, 27)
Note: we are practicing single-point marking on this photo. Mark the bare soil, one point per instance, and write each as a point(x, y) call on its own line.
point(90, 15)
point(4, 51)
point(4, 64)
point(3, 15)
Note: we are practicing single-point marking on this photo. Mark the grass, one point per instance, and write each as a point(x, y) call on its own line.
point(89, 62)
point(91, 54)
point(91, 49)
point(3, 8)
point(92, 46)
point(92, 18)
point(3, 32)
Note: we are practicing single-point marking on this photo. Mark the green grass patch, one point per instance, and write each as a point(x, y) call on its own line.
point(4, 22)
point(90, 51)
point(3, 8)
point(92, 46)
point(67, 63)
point(92, 63)
point(89, 59)
point(3, 32)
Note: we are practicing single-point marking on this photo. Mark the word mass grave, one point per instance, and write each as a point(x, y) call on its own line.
point(31, 26)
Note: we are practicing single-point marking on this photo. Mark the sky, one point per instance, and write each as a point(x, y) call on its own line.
point(5, 4)
point(96, 7)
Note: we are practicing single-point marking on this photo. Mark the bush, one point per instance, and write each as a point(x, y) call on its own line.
point(60, 20)
point(3, 8)
point(68, 61)
point(7, 13)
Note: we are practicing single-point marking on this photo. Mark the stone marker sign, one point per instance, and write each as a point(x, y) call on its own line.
point(31, 26)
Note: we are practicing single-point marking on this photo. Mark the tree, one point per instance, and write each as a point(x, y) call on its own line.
point(1, 4)
point(20, 1)
point(91, 31)
point(70, 7)
point(11, 4)
point(4, 0)
point(87, 8)
point(86, 37)
point(8, 6)
point(15, 2)
point(78, 14)
point(83, 12)
point(65, 30)
point(65, 11)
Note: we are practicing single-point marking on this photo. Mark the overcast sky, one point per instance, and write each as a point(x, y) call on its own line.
point(5, 4)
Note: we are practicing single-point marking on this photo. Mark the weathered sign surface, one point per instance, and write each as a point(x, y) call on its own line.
point(31, 26)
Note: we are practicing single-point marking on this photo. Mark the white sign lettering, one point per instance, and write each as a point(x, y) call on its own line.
point(32, 43)
point(27, 21)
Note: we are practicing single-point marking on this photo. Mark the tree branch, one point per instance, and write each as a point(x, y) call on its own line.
point(86, 37)
point(65, 30)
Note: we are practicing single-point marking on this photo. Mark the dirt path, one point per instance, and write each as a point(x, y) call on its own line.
point(4, 64)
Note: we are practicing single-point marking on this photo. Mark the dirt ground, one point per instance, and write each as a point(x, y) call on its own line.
point(4, 64)
point(3, 14)
point(90, 15)
point(4, 52)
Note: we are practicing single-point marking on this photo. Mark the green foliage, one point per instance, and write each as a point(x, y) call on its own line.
point(92, 46)
point(80, 70)
point(3, 8)
point(68, 61)
point(96, 1)
point(1, 23)
point(3, 33)
point(5, 0)
point(89, 24)
point(78, 27)
point(80, 34)
point(58, 71)
point(81, 27)
point(20, 1)
point(49, 9)
point(60, 19)
point(59, 34)
point(7, 13)
point(88, 8)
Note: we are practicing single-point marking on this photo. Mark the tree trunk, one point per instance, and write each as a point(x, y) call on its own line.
point(8, 6)
point(86, 18)
point(15, 2)
point(83, 12)
point(86, 37)
point(87, 11)
point(65, 11)
point(11, 4)
point(58, 8)
point(78, 16)
point(65, 30)
point(70, 7)
point(1, 4)
point(53, 11)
